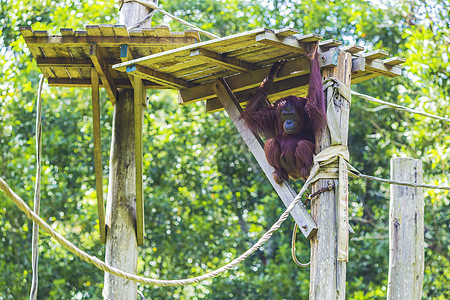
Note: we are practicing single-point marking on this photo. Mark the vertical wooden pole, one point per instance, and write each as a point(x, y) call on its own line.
point(98, 153)
point(406, 231)
point(121, 243)
point(139, 94)
point(327, 274)
point(121, 239)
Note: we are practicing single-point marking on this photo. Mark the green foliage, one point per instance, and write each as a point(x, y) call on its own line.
point(206, 200)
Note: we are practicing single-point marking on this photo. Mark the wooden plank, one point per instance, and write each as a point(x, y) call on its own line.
point(149, 32)
point(103, 71)
point(162, 30)
point(377, 66)
point(66, 31)
point(86, 83)
point(192, 33)
point(93, 30)
point(297, 86)
point(110, 41)
point(286, 193)
point(353, 49)
point(106, 29)
point(26, 31)
point(377, 54)
point(98, 154)
point(406, 231)
point(64, 62)
point(286, 31)
point(222, 61)
point(40, 33)
point(287, 43)
point(240, 82)
point(393, 61)
point(120, 30)
point(166, 56)
point(80, 33)
point(308, 38)
point(330, 43)
point(139, 98)
point(158, 77)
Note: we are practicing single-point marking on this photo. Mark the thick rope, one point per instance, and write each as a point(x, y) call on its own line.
point(37, 195)
point(176, 282)
point(399, 107)
point(156, 7)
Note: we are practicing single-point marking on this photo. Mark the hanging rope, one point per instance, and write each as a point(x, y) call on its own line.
point(399, 107)
point(37, 195)
point(175, 282)
point(154, 6)
point(294, 256)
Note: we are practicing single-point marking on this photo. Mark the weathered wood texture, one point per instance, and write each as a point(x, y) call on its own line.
point(286, 193)
point(406, 231)
point(98, 154)
point(65, 59)
point(121, 244)
point(327, 274)
point(139, 95)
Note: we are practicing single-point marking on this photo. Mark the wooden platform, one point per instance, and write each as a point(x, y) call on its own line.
point(67, 59)
point(244, 60)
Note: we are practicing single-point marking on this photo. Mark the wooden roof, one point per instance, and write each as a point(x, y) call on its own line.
point(177, 60)
point(244, 60)
point(67, 59)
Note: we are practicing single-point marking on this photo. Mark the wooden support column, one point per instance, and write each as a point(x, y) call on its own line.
point(285, 191)
point(121, 236)
point(406, 232)
point(98, 153)
point(327, 274)
point(139, 95)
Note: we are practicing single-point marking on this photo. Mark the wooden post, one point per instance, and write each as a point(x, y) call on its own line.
point(121, 239)
point(406, 231)
point(327, 274)
point(98, 153)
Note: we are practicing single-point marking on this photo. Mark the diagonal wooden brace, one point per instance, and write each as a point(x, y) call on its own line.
point(285, 191)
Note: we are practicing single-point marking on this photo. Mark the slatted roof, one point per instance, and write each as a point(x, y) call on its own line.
point(244, 60)
point(178, 60)
point(67, 59)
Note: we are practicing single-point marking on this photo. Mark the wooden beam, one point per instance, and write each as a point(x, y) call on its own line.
point(86, 83)
point(158, 77)
point(297, 86)
point(103, 71)
point(286, 31)
point(246, 81)
point(308, 38)
point(286, 193)
point(393, 61)
point(221, 60)
point(377, 54)
point(353, 49)
point(287, 43)
point(63, 62)
point(330, 43)
point(139, 98)
point(378, 66)
point(108, 41)
point(125, 55)
point(98, 154)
